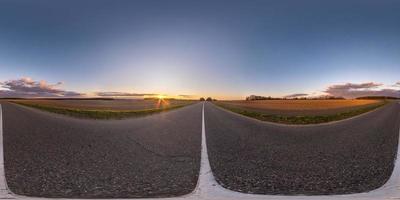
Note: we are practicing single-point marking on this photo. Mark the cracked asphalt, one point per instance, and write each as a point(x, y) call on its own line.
point(350, 156)
point(49, 155)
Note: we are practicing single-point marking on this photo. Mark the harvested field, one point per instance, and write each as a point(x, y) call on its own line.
point(301, 111)
point(116, 104)
point(105, 109)
point(301, 107)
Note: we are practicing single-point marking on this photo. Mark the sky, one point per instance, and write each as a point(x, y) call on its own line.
point(189, 48)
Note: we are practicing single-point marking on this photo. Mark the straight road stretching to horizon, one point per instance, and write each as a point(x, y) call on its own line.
point(51, 155)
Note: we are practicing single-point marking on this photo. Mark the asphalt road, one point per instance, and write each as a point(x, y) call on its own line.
point(50, 155)
point(350, 156)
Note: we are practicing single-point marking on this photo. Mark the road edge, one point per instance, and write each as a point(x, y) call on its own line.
point(5, 193)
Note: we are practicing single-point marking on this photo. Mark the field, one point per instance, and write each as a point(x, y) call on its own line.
point(104, 109)
point(301, 111)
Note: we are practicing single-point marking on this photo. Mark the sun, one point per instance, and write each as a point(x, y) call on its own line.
point(160, 96)
point(162, 101)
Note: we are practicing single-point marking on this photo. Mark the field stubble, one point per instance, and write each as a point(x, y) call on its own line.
point(301, 111)
point(105, 109)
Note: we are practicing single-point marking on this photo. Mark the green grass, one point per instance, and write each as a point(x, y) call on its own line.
point(317, 119)
point(98, 114)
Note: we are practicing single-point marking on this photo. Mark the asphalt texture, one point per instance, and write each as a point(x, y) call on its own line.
point(351, 156)
point(50, 155)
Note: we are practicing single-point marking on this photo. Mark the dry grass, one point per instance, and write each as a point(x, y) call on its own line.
point(301, 111)
point(300, 107)
point(110, 105)
point(105, 109)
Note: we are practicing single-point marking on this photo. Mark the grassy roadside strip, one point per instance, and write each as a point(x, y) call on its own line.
point(98, 114)
point(303, 120)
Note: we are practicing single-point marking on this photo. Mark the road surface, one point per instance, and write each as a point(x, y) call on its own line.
point(50, 155)
point(351, 156)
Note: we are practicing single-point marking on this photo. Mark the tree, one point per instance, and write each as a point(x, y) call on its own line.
point(202, 99)
point(209, 99)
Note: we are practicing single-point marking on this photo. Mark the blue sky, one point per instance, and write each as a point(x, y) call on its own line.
point(226, 49)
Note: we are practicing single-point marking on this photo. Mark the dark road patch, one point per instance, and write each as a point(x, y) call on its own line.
point(50, 155)
point(351, 156)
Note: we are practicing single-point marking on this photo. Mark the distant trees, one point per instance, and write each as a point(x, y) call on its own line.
point(377, 97)
point(255, 97)
point(208, 99)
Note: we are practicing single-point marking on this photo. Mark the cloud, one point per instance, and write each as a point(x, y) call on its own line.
point(350, 86)
point(353, 90)
point(123, 94)
point(186, 95)
point(296, 95)
point(27, 87)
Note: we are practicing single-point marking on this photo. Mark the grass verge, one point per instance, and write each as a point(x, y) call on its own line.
point(303, 120)
point(98, 114)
